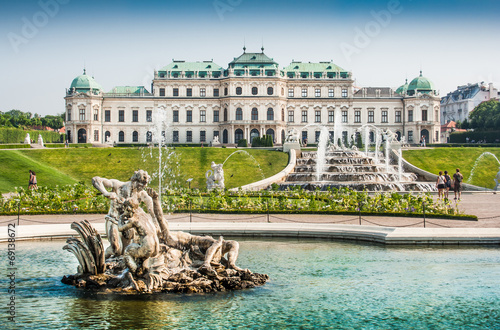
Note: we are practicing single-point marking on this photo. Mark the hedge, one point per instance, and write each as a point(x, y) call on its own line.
point(16, 135)
point(477, 135)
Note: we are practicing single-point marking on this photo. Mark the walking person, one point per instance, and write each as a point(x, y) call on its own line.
point(32, 182)
point(457, 183)
point(447, 184)
point(440, 184)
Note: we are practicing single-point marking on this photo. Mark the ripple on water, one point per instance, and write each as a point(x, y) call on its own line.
point(313, 284)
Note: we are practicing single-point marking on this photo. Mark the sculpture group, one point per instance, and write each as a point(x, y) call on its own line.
point(215, 177)
point(144, 255)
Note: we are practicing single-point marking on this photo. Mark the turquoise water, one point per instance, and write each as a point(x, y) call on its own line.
point(313, 284)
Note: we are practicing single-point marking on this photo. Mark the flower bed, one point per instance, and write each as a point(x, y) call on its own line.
point(80, 198)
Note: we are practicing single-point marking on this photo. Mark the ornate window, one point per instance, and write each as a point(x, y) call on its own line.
point(304, 116)
point(238, 135)
point(357, 116)
point(304, 92)
point(317, 116)
point(254, 90)
point(175, 136)
point(135, 116)
point(331, 116)
point(176, 92)
point(225, 114)
point(239, 114)
point(121, 136)
point(149, 136)
point(270, 91)
point(203, 136)
point(384, 116)
point(203, 92)
point(291, 116)
point(82, 114)
point(216, 116)
point(371, 116)
point(317, 92)
point(189, 116)
point(189, 136)
point(344, 116)
point(176, 116)
point(270, 114)
point(344, 92)
point(135, 136)
point(255, 114)
point(96, 113)
point(410, 119)
point(149, 116)
point(96, 135)
point(203, 116)
point(121, 116)
point(216, 92)
point(290, 92)
point(239, 90)
point(189, 92)
point(397, 117)
point(331, 92)
point(162, 91)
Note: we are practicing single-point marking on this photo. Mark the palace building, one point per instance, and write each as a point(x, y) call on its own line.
point(252, 97)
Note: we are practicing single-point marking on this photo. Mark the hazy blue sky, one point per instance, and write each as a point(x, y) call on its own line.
point(45, 44)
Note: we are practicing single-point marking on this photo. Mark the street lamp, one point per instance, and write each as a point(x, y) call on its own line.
point(189, 182)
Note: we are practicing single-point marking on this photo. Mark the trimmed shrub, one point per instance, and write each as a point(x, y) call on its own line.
point(243, 143)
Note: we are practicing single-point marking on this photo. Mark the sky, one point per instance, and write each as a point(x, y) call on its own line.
point(45, 44)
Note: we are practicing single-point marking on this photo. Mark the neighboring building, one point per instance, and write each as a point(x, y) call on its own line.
point(447, 129)
point(252, 97)
point(457, 105)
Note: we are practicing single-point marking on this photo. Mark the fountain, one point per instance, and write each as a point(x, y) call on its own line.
point(336, 166)
point(160, 154)
point(144, 255)
point(476, 163)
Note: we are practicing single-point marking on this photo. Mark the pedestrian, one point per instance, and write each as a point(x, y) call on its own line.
point(447, 184)
point(32, 182)
point(440, 184)
point(457, 183)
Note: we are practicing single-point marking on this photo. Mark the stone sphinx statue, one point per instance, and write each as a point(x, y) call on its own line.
point(215, 177)
point(145, 255)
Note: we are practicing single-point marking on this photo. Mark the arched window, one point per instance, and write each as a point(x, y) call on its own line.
point(149, 136)
point(107, 136)
point(254, 90)
point(253, 134)
point(238, 135)
point(224, 136)
point(239, 114)
point(225, 114)
point(255, 114)
point(121, 136)
point(270, 91)
point(283, 114)
point(270, 114)
point(238, 91)
point(270, 132)
point(135, 136)
point(372, 137)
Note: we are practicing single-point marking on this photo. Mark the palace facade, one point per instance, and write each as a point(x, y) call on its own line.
point(251, 97)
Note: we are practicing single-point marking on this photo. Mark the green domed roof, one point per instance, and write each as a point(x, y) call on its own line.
point(84, 83)
point(420, 84)
point(403, 88)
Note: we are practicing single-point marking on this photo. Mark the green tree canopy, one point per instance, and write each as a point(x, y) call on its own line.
point(485, 116)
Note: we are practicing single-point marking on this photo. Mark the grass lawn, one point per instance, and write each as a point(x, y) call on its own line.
point(66, 166)
point(441, 159)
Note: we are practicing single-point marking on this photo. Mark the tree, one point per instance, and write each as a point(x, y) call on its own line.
point(485, 115)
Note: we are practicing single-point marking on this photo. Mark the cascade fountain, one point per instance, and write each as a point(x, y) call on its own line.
point(337, 166)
